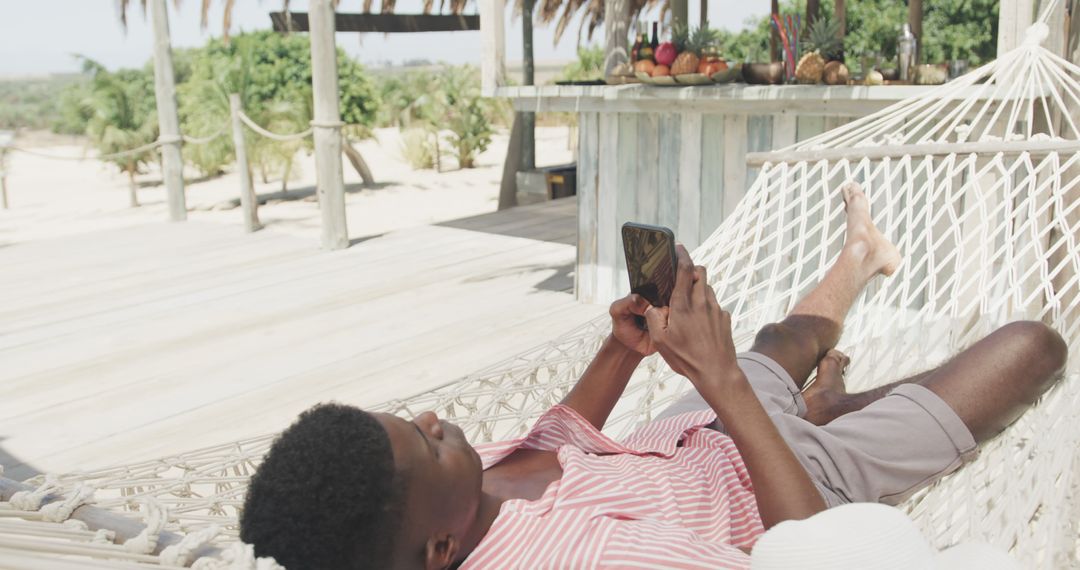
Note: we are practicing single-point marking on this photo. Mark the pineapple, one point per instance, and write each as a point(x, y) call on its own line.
point(822, 44)
point(810, 69)
point(690, 46)
point(824, 38)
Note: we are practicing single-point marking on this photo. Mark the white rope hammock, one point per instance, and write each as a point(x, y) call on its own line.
point(989, 236)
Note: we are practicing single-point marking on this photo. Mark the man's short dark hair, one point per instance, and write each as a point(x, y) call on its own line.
point(326, 495)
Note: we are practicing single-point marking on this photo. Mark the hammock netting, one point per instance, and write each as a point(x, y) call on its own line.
point(974, 181)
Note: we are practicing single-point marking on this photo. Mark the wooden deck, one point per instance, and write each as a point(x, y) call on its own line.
point(134, 343)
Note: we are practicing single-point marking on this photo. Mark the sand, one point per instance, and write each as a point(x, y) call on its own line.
point(53, 198)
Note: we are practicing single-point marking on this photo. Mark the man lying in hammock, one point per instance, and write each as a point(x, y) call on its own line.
point(342, 488)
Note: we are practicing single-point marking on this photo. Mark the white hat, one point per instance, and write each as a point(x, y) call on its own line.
point(866, 536)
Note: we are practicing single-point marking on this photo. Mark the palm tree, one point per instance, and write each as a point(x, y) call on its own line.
point(122, 118)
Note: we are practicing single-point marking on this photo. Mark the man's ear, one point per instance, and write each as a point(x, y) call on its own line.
point(441, 551)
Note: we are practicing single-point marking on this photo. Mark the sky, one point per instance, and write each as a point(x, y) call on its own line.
point(39, 37)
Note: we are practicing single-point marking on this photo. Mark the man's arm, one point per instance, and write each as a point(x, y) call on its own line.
point(597, 391)
point(595, 394)
point(694, 337)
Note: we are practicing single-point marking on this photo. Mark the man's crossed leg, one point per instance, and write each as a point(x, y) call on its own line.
point(886, 443)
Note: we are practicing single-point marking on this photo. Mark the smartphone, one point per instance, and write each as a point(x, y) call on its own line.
point(651, 262)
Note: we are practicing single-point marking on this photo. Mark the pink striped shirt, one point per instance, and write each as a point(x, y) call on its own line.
point(672, 495)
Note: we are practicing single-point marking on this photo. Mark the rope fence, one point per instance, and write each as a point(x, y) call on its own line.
point(248, 202)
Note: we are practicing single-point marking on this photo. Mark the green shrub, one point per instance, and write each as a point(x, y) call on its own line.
point(272, 74)
point(467, 115)
point(418, 148)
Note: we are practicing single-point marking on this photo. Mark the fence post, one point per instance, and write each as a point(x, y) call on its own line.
point(327, 125)
point(172, 165)
point(248, 203)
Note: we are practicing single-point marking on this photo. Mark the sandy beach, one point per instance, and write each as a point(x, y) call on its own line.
point(52, 198)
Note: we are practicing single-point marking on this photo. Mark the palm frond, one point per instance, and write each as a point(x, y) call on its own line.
point(122, 6)
point(226, 19)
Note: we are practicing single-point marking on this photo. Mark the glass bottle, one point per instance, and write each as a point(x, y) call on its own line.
point(655, 36)
point(640, 38)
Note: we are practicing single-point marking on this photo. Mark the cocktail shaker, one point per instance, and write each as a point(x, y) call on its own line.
point(907, 51)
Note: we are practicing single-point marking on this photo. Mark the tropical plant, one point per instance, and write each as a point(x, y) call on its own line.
point(589, 65)
point(123, 118)
point(272, 74)
point(419, 148)
point(407, 99)
point(824, 38)
point(467, 115)
point(952, 29)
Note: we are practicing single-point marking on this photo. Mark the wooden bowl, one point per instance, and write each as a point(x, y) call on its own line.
point(764, 73)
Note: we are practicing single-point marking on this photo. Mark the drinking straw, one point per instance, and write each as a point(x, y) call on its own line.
point(794, 34)
point(778, 22)
point(798, 28)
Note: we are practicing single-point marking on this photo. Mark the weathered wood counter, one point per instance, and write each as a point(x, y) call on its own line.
point(676, 156)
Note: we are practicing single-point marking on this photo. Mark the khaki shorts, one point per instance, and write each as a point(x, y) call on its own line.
point(882, 453)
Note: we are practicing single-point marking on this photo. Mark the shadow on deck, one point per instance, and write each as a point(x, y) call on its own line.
point(554, 221)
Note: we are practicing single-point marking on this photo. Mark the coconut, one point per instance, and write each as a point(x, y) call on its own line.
point(836, 73)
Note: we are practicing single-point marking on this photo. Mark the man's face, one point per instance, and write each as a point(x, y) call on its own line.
point(443, 473)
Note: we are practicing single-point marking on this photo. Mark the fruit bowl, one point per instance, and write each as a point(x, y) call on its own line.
point(663, 80)
point(693, 79)
point(733, 73)
point(643, 77)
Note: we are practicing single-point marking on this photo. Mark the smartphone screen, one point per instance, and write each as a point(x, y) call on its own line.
point(650, 261)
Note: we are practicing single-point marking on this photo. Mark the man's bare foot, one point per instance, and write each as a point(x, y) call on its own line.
point(863, 238)
point(826, 396)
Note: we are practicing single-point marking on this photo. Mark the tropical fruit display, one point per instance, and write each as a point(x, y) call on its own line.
point(823, 44)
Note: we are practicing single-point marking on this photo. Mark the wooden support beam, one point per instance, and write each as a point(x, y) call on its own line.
point(1014, 17)
point(172, 164)
point(680, 13)
point(327, 126)
point(248, 204)
point(492, 46)
point(774, 35)
point(3, 180)
point(380, 23)
point(915, 15)
point(840, 13)
point(508, 186)
point(616, 28)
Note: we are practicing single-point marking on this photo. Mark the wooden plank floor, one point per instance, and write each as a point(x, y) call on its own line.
point(133, 343)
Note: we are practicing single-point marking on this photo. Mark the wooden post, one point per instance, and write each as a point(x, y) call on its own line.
point(327, 125)
point(508, 186)
point(1014, 17)
point(840, 13)
point(680, 13)
point(704, 17)
point(616, 26)
point(813, 10)
point(3, 178)
point(914, 18)
point(492, 44)
point(774, 35)
point(172, 164)
point(247, 192)
point(528, 120)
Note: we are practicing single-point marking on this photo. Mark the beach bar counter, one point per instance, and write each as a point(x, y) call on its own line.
point(674, 155)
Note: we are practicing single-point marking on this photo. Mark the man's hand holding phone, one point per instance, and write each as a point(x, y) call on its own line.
point(624, 324)
point(693, 334)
